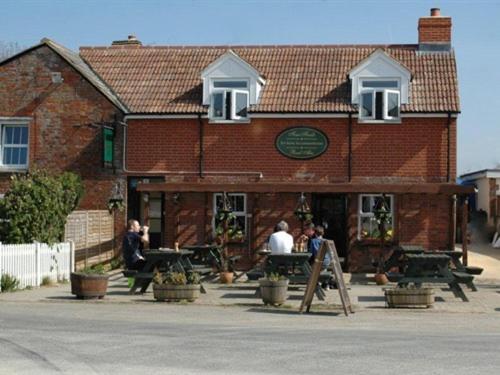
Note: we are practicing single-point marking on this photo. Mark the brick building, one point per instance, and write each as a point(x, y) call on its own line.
point(342, 124)
point(55, 113)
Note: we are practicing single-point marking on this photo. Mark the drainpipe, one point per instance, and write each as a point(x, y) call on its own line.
point(349, 157)
point(200, 122)
point(448, 166)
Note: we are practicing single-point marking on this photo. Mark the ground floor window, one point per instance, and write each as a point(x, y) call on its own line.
point(367, 223)
point(238, 202)
point(14, 145)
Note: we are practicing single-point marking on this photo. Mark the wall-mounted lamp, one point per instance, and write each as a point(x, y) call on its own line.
point(176, 197)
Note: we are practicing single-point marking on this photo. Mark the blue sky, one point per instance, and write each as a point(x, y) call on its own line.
point(476, 38)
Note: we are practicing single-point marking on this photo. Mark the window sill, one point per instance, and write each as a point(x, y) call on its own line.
point(361, 121)
point(215, 121)
point(4, 169)
point(374, 241)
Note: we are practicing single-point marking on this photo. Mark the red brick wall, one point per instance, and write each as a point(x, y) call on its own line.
point(61, 137)
point(415, 150)
point(434, 29)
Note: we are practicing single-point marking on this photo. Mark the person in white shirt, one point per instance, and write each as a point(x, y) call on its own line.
point(280, 241)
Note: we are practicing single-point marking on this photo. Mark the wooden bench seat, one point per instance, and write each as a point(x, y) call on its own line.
point(471, 270)
point(129, 273)
point(462, 277)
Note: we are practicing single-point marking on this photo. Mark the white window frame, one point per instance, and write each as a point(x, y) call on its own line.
point(236, 213)
point(385, 91)
point(13, 167)
point(386, 104)
point(362, 214)
point(212, 110)
point(233, 104)
point(233, 118)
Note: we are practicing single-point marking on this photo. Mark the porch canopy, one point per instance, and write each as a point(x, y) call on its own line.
point(293, 187)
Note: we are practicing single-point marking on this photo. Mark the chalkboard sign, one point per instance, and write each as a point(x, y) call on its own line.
point(302, 142)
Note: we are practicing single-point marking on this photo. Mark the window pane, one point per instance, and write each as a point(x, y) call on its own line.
point(9, 135)
point(24, 135)
point(239, 203)
point(7, 155)
point(241, 104)
point(15, 155)
point(378, 84)
point(369, 228)
point(366, 104)
point(379, 105)
point(228, 105)
point(392, 104)
point(23, 153)
point(230, 84)
point(17, 136)
point(366, 204)
point(218, 102)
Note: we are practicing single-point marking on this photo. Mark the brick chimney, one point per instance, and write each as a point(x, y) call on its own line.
point(434, 32)
point(131, 41)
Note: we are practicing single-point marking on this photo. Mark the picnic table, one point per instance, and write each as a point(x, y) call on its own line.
point(399, 254)
point(158, 260)
point(432, 268)
point(209, 256)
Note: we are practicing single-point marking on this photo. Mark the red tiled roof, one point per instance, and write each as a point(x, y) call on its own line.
point(298, 78)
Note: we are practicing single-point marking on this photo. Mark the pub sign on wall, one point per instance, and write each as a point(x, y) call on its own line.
point(302, 142)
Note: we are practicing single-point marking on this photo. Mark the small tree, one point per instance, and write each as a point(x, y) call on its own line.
point(36, 206)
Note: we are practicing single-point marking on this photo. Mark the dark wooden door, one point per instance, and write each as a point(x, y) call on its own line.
point(330, 211)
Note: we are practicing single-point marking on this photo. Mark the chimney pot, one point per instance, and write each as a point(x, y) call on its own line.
point(435, 12)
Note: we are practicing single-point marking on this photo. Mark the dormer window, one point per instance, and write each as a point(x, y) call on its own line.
point(379, 100)
point(380, 85)
point(230, 87)
point(230, 100)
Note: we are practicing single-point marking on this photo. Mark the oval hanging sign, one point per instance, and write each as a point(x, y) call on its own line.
point(302, 142)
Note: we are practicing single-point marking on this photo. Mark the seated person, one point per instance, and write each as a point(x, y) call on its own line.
point(280, 242)
point(132, 253)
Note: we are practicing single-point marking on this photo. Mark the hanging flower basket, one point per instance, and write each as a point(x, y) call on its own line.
point(115, 205)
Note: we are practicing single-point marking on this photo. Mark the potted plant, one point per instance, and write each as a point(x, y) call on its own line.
point(227, 229)
point(382, 216)
point(273, 289)
point(176, 286)
point(91, 282)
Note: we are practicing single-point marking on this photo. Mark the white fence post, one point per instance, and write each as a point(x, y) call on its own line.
point(1, 255)
point(37, 262)
point(71, 257)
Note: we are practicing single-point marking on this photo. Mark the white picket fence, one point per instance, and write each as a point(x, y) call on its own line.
point(30, 263)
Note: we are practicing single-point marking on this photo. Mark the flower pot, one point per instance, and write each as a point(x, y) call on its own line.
point(162, 292)
point(409, 297)
point(380, 279)
point(226, 277)
point(273, 292)
point(88, 286)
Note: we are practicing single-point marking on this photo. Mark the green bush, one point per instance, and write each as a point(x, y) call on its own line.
point(9, 283)
point(36, 206)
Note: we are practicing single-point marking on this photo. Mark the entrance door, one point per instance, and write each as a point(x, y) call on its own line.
point(330, 211)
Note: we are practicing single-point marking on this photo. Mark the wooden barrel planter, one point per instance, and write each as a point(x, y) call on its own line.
point(88, 285)
point(273, 292)
point(409, 297)
point(167, 292)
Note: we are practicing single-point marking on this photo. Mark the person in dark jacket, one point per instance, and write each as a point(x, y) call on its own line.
point(132, 245)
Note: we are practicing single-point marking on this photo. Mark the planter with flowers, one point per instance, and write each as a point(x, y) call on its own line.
point(176, 286)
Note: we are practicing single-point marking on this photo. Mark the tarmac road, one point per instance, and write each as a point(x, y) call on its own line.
point(158, 338)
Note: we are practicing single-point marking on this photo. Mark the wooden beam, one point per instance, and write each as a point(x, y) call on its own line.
point(280, 187)
point(465, 218)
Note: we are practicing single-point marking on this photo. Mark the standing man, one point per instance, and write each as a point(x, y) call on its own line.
point(280, 241)
point(132, 253)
